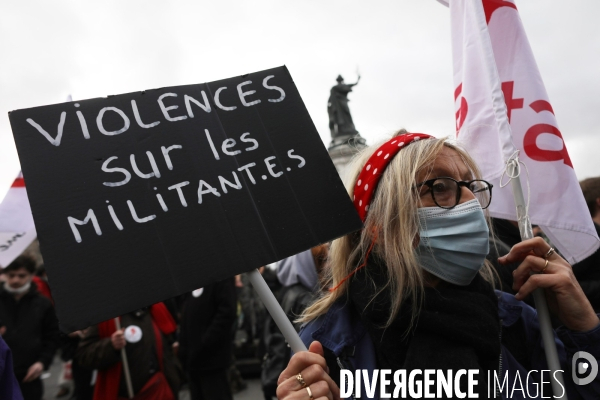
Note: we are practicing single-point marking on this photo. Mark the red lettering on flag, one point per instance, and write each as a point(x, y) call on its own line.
point(541, 105)
point(537, 154)
point(511, 103)
point(461, 114)
point(489, 6)
point(19, 182)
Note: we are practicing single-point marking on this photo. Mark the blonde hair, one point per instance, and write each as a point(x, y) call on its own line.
point(392, 224)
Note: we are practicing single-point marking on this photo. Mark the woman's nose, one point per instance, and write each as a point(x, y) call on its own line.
point(465, 195)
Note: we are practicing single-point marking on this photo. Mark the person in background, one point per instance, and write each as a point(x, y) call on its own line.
point(299, 276)
point(81, 383)
point(145, 338)
point(205, 339)
point(587, 271)
point(31, 326)
point(65, 379)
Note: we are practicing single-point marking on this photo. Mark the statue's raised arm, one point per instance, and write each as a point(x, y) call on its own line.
point(355, 83)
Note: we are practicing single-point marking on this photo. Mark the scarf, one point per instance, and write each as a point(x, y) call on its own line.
point(457, 327)
point(108, 380)
point(20, 290)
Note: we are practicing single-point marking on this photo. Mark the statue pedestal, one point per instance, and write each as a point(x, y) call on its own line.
point(342, 149)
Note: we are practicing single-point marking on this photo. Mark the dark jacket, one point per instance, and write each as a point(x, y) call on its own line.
point(295, 300)
point(348, 346)
point(587, 273)
point(31, 329)
point(206, 335)
point(9, 387)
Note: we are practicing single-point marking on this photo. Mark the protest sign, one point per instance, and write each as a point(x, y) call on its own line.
point(143, 196)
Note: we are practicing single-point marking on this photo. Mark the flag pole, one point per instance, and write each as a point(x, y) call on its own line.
point(277, 313)
point(558, 384)
point(125, 364)
point(512, 169)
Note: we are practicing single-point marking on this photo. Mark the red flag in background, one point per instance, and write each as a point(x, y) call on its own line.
point(502, 107)
point(17, 230)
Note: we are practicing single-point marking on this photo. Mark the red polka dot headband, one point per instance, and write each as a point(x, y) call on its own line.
point(373, 169)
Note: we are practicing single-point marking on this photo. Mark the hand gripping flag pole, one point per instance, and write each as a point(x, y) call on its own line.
point(539, 296)
point(512, 169)
point(485, 61)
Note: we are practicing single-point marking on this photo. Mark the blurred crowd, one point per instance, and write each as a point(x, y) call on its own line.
point(205, 341)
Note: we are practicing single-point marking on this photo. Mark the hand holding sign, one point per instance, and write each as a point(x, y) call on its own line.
point(143, 196)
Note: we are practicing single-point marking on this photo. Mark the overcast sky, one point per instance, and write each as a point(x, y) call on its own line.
point(401, 48)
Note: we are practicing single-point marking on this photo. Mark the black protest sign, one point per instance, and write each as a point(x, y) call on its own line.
point(144, 196)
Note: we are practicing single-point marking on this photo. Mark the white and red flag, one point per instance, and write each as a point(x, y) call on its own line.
point(503, 111)
point(17, 230)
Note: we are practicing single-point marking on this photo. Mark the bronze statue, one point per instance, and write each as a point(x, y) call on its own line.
point(340, 120)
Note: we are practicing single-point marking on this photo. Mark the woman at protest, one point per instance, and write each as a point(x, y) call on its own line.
point(412, 290)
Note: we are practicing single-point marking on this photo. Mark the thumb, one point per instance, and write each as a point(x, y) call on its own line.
point(317, 348)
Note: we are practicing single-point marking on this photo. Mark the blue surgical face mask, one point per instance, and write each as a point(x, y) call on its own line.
point(453, 243)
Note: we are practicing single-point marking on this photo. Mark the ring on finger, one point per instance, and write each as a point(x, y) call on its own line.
point(545, 266)
point(309, 393)
point(549, 253)
point(301, 380)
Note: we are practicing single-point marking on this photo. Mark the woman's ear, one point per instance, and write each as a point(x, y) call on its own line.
point(416, 241)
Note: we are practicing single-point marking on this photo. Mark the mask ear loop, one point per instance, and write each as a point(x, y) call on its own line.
point(333, 289)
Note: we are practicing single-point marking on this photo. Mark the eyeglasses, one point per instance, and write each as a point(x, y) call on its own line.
point(446, 191)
